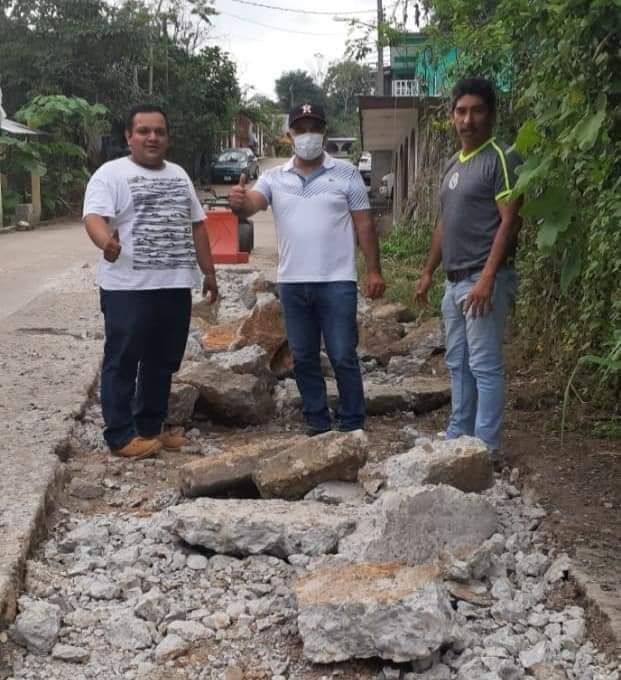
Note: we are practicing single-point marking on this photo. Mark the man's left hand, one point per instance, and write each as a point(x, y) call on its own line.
point(210, 285)
point(479, 300)
point(375, 286)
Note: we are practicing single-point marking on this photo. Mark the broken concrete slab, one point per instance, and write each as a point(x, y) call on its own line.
point(292, 473)
point(181, 403)
point(391, 311)
point(335, 493)
point(253, 527)
point(415, 525)
point(264, 326)
point(463, 463)
point(376, 335)
point(362, 611)
point(253, 284)
point(250, 359)
point(229, 472)
point(220, 338)
point(39, 400)
point(226, 396)
point(421, 342)
point(420, 394)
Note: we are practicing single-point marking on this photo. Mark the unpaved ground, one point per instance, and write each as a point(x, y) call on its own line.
point(579, 483)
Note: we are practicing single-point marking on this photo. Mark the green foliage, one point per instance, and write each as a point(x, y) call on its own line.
point(404, 253)
point(344, 82)
point(296, 87)
point(71, 126)
point(557, 65)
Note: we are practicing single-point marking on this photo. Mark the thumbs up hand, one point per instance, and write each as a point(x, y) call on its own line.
point(238, 196)
point(112, 248)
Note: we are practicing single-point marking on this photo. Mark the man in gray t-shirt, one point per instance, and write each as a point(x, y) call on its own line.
point(475, 241)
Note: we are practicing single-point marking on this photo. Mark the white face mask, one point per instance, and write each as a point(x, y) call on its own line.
point(308, 146)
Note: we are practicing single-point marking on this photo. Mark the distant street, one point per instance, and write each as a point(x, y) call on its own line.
point(31, 261)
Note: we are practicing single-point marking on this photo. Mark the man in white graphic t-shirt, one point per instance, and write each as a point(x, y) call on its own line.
point(143, 213)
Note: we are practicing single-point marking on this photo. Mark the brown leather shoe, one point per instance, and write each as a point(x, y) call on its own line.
point(138, 448)
point(172, 442)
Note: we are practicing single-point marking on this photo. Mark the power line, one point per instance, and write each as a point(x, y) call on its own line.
point(303, 11)
point(276, 28)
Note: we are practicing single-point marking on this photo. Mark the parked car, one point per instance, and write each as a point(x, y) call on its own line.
point(386, 185)
point(232, 163)
point(364, 166)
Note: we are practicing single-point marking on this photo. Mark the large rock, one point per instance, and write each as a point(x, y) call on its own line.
point(373, 610)
point(37, 626)
point(375, 336)
point(292, 473)
point(421, 342)
point(220, 338)
point(391, 311)
point(419, 394)
point(463, 463)
point(415, 525)
point(265, 326)
point(254, 284)
point(251, 359)
point(229, 472)
point(253, 527)
point(226, 396)
point(181, 403)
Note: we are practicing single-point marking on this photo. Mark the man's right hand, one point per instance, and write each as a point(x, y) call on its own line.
point(422, 288)
point(112, 248)
point(238, 196)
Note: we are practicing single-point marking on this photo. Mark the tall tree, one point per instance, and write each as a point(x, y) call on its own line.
point(344, 80)
point(296, 87)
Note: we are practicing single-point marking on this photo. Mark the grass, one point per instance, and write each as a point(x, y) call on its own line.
point(404, 253)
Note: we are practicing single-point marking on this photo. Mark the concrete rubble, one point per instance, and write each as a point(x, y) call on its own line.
point(463, 463)
point(429, 566)
point(395, 612)
point(292, 473)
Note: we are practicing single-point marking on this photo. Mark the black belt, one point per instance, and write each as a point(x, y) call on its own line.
point(458, 275)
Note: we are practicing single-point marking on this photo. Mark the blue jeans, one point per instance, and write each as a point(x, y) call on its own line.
point(329, 309)
point(146, 334)
point(474, 359)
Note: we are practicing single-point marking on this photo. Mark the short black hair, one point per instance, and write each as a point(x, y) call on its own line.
point(480, 87)
point(143, 108)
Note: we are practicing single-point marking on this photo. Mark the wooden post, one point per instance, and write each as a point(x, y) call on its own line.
point(35, 183)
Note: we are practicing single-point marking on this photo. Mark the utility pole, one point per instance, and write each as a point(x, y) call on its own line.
point(379, 82)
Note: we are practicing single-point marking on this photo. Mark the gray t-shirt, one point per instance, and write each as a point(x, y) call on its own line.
point(471, 186)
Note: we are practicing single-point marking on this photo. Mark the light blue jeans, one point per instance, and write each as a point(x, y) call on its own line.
point(474, 358)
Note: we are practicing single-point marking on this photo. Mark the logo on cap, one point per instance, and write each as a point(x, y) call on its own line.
point(307, 108)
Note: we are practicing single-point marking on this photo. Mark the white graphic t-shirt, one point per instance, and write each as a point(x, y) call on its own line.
point(153, 211)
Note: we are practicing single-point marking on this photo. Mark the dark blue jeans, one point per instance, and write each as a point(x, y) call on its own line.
point(329, 309)
point(146, 334)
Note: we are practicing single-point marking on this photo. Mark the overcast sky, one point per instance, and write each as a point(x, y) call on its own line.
point(285, 40)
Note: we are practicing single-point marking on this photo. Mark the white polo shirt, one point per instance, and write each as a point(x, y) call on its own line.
point(314, 226)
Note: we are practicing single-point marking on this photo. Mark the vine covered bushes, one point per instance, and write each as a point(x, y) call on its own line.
point(558, 64)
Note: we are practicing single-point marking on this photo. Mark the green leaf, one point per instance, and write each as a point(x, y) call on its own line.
point(535, 167)
point(554, 210)
point(613, 365)
point(527, 137)
point(570, 271)
point(587, 130)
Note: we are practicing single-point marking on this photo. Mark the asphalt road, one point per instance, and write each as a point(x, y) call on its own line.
point(32, 261)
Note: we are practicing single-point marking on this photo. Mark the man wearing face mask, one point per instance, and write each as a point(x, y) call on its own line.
point(321, 208)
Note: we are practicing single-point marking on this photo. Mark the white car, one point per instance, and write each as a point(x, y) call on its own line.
point(364, 166)
point(386, 185)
